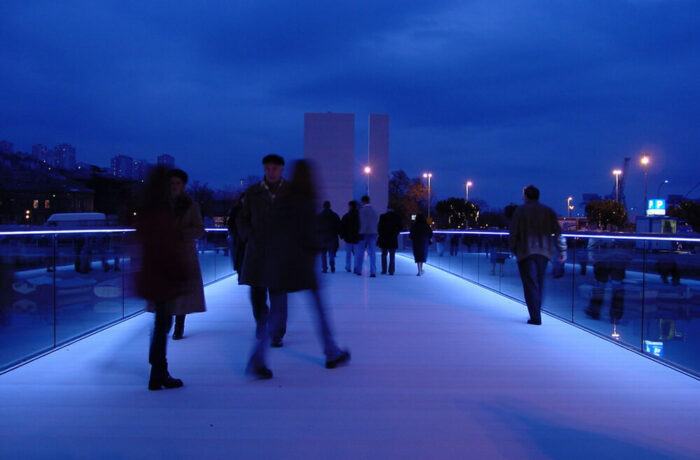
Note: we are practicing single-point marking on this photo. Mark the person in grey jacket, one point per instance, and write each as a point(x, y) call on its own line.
point(368, 238)
point(535, 238)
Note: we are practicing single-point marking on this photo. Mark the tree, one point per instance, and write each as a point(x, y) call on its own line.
point(405, 195)
point(606, 212)
point(455, 213)
point(202, 195)
point(688, 211)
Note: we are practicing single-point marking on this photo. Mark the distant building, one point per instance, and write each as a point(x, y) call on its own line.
point(122, 166)
point(329, 140)
point(41, 152)
point(589, 197)
point(7, 147)
point(166, 160)
point(64, 156)
point(141, 169)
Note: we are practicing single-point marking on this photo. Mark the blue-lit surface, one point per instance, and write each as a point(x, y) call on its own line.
point(631, 289)
point(59, 285)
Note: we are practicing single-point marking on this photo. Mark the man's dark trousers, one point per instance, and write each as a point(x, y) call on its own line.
point(264, 316)
point(532, 270)
point(392, 260)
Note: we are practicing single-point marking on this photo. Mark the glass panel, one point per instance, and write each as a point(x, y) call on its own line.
point(88, 289)
point(672, 302)
point(130, 267)
point(27, 299)
point(207, 259)
point(492, 262)
point(219, 243)
point(471, 247)
point(608, 298)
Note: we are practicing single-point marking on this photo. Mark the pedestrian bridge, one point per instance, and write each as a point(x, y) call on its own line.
point(441, 368)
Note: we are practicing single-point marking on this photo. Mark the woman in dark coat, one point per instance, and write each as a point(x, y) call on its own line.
point(189, 221)
point(388, 228)
point(163, 270)
point(293, 254)
point(420, 234)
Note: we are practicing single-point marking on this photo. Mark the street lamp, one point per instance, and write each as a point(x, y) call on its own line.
point(467, 185)
point(367, 171)
point(658, 192)
point(617, 173)
point(428, 176)
point(645, 163)
point(569, 206)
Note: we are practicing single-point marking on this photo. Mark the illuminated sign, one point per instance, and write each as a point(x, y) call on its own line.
point(654, 348)
point(656, 207)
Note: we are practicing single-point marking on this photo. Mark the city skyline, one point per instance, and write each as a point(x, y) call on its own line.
point(493, 92)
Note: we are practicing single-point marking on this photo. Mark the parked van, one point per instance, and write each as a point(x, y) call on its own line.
point(73, 220)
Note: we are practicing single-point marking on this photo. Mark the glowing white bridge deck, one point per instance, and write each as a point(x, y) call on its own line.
point(441, 369)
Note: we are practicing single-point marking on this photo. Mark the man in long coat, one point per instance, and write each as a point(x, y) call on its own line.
point(388, 229)
point(328, 229)
point(350, 233)
point(254, 226)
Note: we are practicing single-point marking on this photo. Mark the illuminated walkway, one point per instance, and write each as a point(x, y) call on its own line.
point(441, 369)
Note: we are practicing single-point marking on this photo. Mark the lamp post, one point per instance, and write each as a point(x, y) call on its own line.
point(428, 176)
point(466, 186)
point(569, 206)
point(367, 171)
point(658, 192)
point(645, 163)
point(617, 173)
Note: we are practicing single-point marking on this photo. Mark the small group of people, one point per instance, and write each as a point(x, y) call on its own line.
point(363, 231)
point(276, 236)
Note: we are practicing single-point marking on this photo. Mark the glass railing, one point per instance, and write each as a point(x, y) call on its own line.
point(56, 286)
point(642, 292)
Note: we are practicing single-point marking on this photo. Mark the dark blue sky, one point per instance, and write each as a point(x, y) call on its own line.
point(505, 93)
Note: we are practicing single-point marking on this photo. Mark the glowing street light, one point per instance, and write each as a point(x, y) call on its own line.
point(467, 185)
point(428, 176)
point(645, 163)
point(617, 173)
point(367, 171)
point(569, 206)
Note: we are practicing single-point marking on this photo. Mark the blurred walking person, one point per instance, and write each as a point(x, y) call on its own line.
point(420, 234)
point(535, 237)
point(292, 261)
point(163, 274)
point(388, 229)
point(189, 222)
point(350, 233)
point(328, 231)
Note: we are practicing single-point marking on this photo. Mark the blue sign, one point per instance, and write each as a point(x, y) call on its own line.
point(654, 348)
point(656, 207)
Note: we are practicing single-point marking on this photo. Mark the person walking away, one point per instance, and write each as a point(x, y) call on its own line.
point(254, 226)
point(368, 238)
point(535, 236)
point(350, 233)
point(294, 247)
point(328, 231)
point(388, 231)
point(420, 234)
point(189, 221)
point(163, 274)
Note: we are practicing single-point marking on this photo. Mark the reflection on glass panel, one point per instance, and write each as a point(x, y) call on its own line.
point(207, 262)
point(88, 286)
point(223, 262)
point(672, 302)
point(492, 262)
point(26, 303)
point(608, 298)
